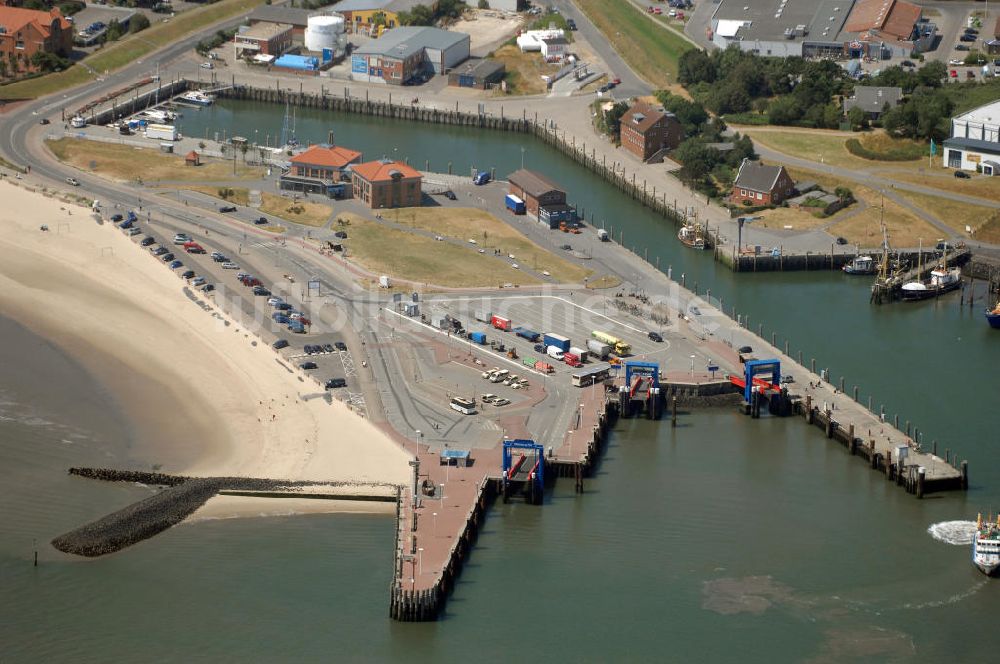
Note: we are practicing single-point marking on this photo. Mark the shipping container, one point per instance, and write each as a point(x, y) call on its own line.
point(525, 333)
point(580, 353)
point(500, 323)
point(600, 350)
point(161, 132)
point(514, 204)
point(478, 337)
point(529, 361)
point(483, 316)
point(544, 367)
point(557, 340)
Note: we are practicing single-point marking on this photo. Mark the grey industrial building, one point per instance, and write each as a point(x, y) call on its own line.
point(877, 29)
point(402, 53)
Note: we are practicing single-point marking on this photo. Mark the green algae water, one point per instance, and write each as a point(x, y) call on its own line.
point(722, 539)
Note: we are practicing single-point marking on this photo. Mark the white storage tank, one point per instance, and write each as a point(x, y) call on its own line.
point(322, 32)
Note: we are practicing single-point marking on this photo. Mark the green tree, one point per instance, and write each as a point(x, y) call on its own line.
point(728, 97)
point(697, 160)
point(857, 118)
point(784, 111)
point(138, 23)
point(114, 31)
point(696, 66)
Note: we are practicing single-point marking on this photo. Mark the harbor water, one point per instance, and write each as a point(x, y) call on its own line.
point(723, 538)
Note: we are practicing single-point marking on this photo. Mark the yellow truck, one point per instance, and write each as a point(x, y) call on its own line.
point(617, 345)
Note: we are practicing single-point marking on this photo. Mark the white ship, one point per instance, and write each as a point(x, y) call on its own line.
point(986, 546)
point(198, 98)
point(78, 122)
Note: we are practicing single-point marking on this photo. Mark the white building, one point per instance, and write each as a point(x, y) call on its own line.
point(975, 140)
point(531, 40)
point(554, 48)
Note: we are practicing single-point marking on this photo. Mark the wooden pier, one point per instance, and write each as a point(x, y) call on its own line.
point(888, 289)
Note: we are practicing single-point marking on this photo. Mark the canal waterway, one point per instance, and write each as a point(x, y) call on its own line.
point(724, 538)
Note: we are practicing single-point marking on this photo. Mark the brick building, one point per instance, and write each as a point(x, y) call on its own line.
point(263, 39)
point(647, 129)
point(761, 184)
point(386, 184)
point(324, 162)
point(24, 32)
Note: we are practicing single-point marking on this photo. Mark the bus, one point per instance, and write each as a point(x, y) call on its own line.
point(591, 375)
point(464, 406)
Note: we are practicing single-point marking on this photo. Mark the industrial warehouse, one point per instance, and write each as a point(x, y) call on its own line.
point(403, 54)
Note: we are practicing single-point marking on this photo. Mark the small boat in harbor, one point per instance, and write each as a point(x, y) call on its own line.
point(986, 545)
point(159, 116)
point(78, 122)
point(861, 265)
point(993, 317)
point(197, 97)
point(943, 280)
point(692, 236)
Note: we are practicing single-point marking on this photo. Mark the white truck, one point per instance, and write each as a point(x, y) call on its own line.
point(602, 235)
point(580, 353)
point(598, 349)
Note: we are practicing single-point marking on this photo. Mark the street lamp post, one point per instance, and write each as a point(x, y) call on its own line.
point(420, 560)
point(435, 515)
point(692, 366)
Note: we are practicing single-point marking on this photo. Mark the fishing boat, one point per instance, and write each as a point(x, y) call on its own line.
point(78, 122)
point(993, 317)
point(861, 265)
point(159, 116)
point(986, 545)
point(198, 98)
point(943, 280)
point(692, 236)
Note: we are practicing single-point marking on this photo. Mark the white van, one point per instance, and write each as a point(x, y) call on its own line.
point(555, 352)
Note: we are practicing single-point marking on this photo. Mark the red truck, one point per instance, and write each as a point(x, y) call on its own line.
point(500, 323)
point(544, 367)
point(572, 360)
point(193, 248)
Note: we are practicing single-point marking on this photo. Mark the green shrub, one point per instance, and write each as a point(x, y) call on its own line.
point(907, 152)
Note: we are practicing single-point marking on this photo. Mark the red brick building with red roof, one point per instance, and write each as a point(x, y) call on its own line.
point(24, 32)
point(386, 184)
point(324, 162)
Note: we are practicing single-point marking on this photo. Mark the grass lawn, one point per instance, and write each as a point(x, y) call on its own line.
point(990, 231)
point(524, 70)
point(129, 49)
point(827, 147)
point(238, 195)
point(124, 162)
point(299, 212)
point(799, 220)
point(650, 49)
point(408, 256)
point(490, 233)
point(956, 214)
point(864, 228)
point(941, 178)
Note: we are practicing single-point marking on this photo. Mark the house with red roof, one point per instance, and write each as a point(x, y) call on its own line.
point(321, 169)
point(386, 184)
point(25, 32)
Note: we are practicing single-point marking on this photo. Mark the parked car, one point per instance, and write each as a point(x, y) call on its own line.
point(282, 306)
point(218, 257)
point(116, 218)
point(188, 274)
point(198, 281)
point(274, 300)
point(207, 65)
point(341, 234)
point(907, 63)
point(227, 208)
point(43, 121)
point(501, 402)
point(148, 240)
point(133, 231)
point(340, 345)
point(260, 221)
point(279, 344)
point(334, 383)
point(955, 62)
point(159, 251)
point(307, 366)
point(206, 287)
point(961, 47)
point(571, 24)
point(176, 264)
point(296, 327)
point(962, 175)
point(280, 318)
point(655, 336)
point(967, 38)
point(167, 257)
point(260, 290)
point(450, 195)
point(229, 265)
point(841, 240)
point(181, 238)
point(328, 348)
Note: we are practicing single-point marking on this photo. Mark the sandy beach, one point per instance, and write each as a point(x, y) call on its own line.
point(206, 398)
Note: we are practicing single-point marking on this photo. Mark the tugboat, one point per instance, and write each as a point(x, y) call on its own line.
point(986, 546)
point(993, 317)
point(861, 265)
point(943, 279)
point(692, 236)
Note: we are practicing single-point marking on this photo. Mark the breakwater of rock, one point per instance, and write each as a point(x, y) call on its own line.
point(181, 498)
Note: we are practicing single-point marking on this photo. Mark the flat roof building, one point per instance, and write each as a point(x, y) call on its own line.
point(975, 140)
point(823, 28)
point(262, 39)
point(479, 74)
point(873, 99)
